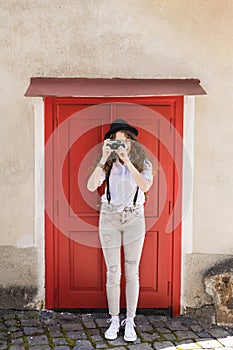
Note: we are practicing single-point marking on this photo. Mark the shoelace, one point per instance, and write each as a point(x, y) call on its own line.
point(123, 323)
point(112, 320)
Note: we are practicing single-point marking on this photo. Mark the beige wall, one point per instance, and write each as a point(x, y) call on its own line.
point(130, 38)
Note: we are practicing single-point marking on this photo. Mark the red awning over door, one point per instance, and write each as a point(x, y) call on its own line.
point(116, 87)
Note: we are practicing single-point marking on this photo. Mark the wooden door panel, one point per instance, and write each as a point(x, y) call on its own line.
point(81, 268)
point(85, 276)
point(85, 129)
point(79, 166)
point(79, 263)
point(148, 275)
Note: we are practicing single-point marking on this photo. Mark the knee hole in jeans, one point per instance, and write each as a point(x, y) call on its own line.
point(113, 276)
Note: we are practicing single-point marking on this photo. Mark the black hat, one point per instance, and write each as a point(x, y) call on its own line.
point(120, 124)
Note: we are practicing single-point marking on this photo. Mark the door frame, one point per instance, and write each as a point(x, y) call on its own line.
point(185, 228)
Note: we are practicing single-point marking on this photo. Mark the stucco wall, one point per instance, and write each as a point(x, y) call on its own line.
point(107, 38)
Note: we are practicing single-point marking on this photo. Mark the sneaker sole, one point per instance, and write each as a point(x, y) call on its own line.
point(110, 337)
point(130, 339)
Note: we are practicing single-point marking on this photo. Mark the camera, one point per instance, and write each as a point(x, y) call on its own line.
point(115, 144)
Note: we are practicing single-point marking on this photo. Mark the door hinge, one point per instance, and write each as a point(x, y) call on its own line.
point(57, 207)
point(168, 287)
point(56, 296)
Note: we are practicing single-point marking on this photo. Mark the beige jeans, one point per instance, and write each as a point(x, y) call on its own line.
point(125, 228)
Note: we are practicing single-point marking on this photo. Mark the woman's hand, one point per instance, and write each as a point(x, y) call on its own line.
point(122, 153)
point(106, 150)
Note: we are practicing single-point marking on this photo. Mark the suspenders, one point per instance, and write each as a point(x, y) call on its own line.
point(108, 194)
point(135, 196)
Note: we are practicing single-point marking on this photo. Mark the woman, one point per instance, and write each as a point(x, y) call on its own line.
point(128, 175)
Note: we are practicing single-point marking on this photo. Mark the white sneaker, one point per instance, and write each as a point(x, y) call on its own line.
point(130, 334)
point(112, 331)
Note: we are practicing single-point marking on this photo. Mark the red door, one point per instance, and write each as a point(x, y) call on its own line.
point(75, 271)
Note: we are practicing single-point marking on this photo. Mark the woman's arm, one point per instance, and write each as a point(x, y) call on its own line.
point(142, 182)
point(94, 180)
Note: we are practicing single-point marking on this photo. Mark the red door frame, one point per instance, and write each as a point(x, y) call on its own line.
point(50, 125)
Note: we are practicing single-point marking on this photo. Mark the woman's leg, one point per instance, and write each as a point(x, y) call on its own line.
point(113, 266)
point(110, 238)
point(133, 240)
point(132, 254)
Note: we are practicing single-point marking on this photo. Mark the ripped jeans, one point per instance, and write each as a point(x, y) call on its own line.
point(125, 228)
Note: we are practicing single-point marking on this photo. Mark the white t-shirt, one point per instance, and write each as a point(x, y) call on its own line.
point(122, 186)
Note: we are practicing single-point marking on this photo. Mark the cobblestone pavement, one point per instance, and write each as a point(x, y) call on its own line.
point(44, 330)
